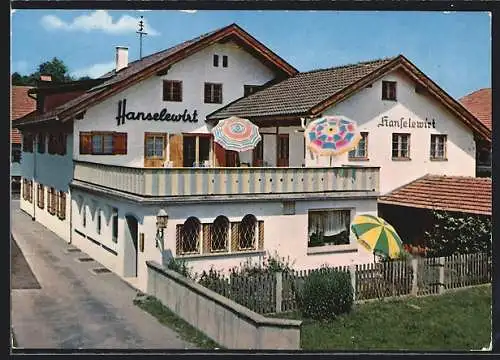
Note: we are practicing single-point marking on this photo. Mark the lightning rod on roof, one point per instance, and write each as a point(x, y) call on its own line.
point(141, 33)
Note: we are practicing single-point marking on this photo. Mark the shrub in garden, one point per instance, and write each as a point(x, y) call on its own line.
point(180, 267)
point(213, 280)
point(325, 294)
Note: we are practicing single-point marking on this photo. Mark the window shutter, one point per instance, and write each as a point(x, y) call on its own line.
point(220, 155)
point(176, 150)
point(120, 143)
point(235, 236)
point(261, 235)
point(85, 143)
point(207, 235)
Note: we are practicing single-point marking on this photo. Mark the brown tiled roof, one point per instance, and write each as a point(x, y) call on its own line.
point(163, 58)
point(450, 193)
point(22, 105)
point(479, 103)
point(297, 95)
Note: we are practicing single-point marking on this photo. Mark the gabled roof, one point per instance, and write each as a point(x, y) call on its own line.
point(310, 93)
point(450, 193)
point(148, 66)
point(479, 103)
point(22, 104)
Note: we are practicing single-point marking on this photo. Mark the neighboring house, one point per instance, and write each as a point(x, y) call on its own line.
point(111, 157)
point(479, 104)
point(21, 104)
point(409, 208)
point(410, 126)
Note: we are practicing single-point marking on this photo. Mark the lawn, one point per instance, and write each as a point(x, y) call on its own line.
point(457, 320)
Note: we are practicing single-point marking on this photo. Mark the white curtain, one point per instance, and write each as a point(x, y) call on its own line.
point(329, 222)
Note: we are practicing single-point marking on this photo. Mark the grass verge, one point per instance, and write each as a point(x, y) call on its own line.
point(166, 317)
point(457, 320)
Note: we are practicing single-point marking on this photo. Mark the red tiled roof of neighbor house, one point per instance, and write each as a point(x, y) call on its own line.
point(22, 105)
point(158, 63)
point(479, 103)
point(451, 193)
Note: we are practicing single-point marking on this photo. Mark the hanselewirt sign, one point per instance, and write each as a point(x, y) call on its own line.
point(163, 115)
point(407, 123)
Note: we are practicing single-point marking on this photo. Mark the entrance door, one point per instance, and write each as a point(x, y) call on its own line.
point(131, 247)
point(283, 152)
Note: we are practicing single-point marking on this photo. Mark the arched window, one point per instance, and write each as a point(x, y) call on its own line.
point(220, 234)
point(190, 236)
point(247, 232)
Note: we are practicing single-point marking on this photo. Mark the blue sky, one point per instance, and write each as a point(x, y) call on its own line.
point(453, 48)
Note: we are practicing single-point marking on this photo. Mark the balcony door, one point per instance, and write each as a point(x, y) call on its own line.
point(283, 150)
point(196, 150)
point(258, 154)
point(155, 149)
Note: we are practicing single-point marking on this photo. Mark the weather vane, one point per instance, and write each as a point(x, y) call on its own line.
point(141, 32)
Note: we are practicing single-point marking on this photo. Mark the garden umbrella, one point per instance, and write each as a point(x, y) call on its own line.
point(376, 235)
point(236, 134)
point(331, 135)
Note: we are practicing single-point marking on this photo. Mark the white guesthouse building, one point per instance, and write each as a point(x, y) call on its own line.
point(102, 158)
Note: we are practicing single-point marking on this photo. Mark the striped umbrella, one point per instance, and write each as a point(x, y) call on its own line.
point(236, 134)
point(376, 235)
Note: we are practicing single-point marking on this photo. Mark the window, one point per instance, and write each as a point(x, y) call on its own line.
point(247, 233)
point(155, 146)
point(16, 154)
point(115, 225)
point(57, 144)
point(438, 147)
point(250, 89)
point(103, 143)
point(224, 61)
point(84, 216)
point(61, 205)
point(40, 196)
point(172, 90)
point(219, 234)
point(188, 237)
point(258, 154)
point(213, 93)
point(98, 222)
point(51, 201)
point(216, 60)
point(195, 150)
point(41, 143)
point(28, 143)
point(28, 190)
point(401, 146)
point(283, 150)
point(329, 227)
point(389, 90)
point(361, 150)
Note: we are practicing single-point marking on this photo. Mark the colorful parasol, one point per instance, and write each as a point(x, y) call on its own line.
point(331, 135)
point(236, 134)
point(376, 235)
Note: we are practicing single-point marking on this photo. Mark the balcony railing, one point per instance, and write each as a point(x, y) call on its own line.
point(227, 181)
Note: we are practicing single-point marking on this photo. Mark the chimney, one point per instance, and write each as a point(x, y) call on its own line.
point(45, 78)
point(121, 57)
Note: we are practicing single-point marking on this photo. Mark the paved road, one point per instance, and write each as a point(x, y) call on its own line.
point(74, 308)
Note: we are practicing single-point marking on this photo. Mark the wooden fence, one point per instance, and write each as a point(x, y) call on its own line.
point(276, 292)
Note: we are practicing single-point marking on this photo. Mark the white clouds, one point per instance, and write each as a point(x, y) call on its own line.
point(98, 20)
point(94, 71)
point(189, 11)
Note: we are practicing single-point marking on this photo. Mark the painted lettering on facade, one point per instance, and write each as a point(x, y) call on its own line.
point(407, 123)
point(163, 115)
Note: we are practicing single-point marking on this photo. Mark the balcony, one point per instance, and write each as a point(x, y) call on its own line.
point(227, 181)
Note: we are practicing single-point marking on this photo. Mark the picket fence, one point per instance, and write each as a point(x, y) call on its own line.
point(275, 292)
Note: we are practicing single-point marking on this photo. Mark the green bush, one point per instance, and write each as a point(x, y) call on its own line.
point(180, 267)
point(213, 280)
point(325, 294)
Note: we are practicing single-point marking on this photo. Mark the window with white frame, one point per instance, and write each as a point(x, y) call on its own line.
point(400, 146)
point(219, 234)
point(188, 237)
point(438, 147)
point(329, 227)
point(361, 150)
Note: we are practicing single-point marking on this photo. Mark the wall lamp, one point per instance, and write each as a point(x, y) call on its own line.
point(161, 225)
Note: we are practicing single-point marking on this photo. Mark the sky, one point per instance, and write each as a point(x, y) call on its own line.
point(452, 48)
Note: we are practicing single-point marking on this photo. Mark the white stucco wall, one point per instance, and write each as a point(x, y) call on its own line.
point(147, 96)
point(51, 171)
point(367, 109)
